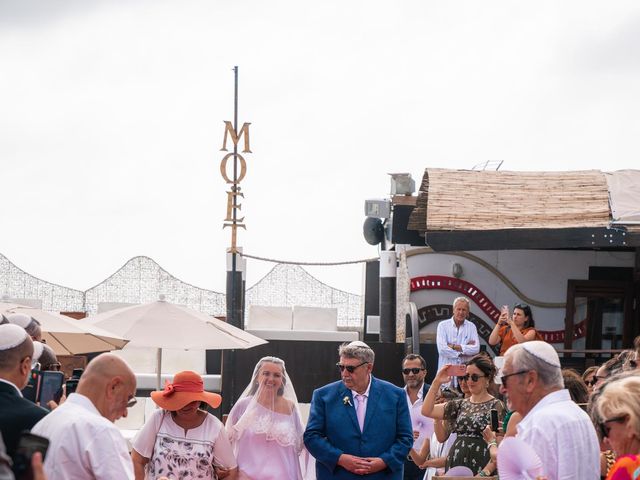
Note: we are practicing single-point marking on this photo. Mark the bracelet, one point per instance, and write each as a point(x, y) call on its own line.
point(482, 473)
point(492, 443)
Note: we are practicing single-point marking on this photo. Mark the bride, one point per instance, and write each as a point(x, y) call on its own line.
point(264, 426)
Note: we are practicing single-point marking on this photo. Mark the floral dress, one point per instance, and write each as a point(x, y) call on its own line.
point(625, 468)
point(177, 454)
point(468, 420)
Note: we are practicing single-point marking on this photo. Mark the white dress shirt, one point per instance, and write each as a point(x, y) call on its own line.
point(562, 435)
point(419, 423)
point(466, 336)
point(83, 444)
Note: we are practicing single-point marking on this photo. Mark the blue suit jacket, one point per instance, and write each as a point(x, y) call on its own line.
point(333, 429)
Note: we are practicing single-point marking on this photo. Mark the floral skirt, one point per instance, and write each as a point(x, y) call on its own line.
point(470, 452)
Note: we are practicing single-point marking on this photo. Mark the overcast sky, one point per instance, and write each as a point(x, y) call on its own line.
point(111, 119)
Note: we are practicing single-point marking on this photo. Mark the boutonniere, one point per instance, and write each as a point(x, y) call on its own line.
point(347, 401)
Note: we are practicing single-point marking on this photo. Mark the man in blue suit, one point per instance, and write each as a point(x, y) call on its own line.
point(359, 426)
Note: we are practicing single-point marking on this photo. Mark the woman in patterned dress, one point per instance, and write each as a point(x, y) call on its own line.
point(181, 440)
point(468, 417)
point(265, 428)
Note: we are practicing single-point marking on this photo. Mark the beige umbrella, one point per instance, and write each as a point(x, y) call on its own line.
point(65, 335)
point(163, 324)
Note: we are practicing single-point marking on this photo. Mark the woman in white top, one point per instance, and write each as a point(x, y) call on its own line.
point(181, 440)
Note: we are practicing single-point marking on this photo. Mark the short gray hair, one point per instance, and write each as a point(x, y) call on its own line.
point(361, 352)
point(461, 299)
point(549, 375)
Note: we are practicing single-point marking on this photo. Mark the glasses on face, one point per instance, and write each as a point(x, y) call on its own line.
point(503, 378)
point(131, 401)
point(349, 368)
point(415, 371)
point(53, 366)
point(473, 376)
point(592, 382)
point(604, 427)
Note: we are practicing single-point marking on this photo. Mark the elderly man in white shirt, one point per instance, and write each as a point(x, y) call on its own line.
point(84, 442)
point(559, 431)
point(457, 338)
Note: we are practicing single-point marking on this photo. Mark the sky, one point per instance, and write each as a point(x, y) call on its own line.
point(111, 119)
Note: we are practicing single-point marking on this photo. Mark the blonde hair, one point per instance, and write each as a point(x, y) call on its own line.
point(620, 397)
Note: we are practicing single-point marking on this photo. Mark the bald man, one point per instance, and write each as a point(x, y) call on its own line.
point(85, 444)
point(16, 413)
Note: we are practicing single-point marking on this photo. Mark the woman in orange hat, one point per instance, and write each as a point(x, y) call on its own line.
point(181, 440)
point(264, 426)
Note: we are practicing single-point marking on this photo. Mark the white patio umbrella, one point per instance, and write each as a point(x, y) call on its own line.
point(66, 335)
point(162, 324)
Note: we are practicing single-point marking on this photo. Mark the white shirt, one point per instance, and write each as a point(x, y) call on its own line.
point(84, 445)
point(419, 423)
point(562, 435)
point(448, 333)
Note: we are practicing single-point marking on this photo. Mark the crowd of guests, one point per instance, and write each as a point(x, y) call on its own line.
point(474, 419)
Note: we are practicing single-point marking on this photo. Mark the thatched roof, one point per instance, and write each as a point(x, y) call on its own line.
point(470, 201)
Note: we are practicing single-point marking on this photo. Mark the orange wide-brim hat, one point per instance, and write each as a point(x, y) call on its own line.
point(187, 387)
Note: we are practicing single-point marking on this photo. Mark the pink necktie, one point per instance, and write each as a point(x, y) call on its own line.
point(360, 410)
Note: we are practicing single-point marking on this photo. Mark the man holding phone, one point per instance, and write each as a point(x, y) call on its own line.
point(84, 441)
point(16, 412)
point(457, 338)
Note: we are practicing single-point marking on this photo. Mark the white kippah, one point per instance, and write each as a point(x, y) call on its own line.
point(38, 348)
point(543, 351)
point(11, 336)
point(358, 343)
point(21, 319)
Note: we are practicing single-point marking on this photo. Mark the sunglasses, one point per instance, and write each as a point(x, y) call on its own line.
point(131, 402)
point(473, 376)
point(591, 383)
point(503, 378)
point(415, 371)
point(605, 429)
point(349, 368)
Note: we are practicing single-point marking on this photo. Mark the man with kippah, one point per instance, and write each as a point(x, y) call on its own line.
point(559, 431)
point(16, 413)
point(30, 324)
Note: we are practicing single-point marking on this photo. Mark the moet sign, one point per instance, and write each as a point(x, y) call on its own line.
point(232, 220)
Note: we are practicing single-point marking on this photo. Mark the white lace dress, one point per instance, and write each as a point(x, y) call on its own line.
point(269, 449)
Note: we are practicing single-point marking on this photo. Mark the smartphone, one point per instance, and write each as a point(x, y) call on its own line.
point(505, 310)
point(70, 386)
point(28, 444)
point(50, 387)
point(456, 370)
point(494, 420)
point(30, 392)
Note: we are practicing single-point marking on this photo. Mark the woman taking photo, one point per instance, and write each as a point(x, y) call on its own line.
point(467, 417)
point(181, 440)
point(517, 329)
point(264, 426)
